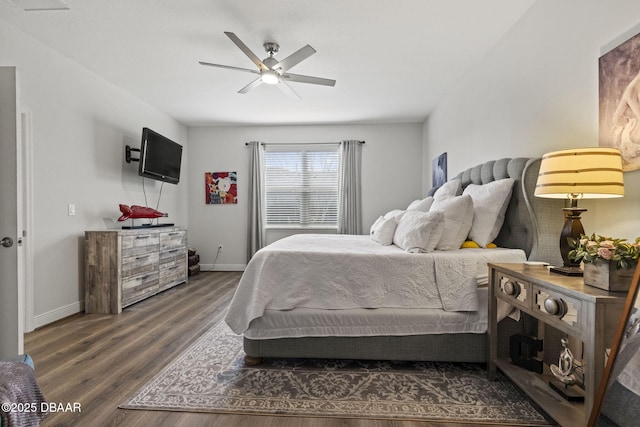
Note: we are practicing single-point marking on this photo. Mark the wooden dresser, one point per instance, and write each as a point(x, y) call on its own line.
point(123, 267)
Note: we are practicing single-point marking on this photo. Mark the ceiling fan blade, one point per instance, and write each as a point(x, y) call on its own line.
point(229, 67)
point(283, 86)
point(257, 82)
point(243, 47)
point(308, 79)
point(295, 58)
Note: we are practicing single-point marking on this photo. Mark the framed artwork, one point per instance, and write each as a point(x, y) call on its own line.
point(439, 170)
point(619, 103)
point(221, 188)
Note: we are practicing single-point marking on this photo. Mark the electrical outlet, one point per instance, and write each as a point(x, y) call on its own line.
point(220, 248)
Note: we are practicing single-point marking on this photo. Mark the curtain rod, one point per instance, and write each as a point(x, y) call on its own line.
point(298, 143)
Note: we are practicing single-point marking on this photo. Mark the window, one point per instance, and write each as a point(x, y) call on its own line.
point(301, 185)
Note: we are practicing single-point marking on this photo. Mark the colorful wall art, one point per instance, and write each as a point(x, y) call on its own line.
point(221, 188)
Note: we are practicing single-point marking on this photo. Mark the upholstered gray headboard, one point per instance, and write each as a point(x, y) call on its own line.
point(531, 223)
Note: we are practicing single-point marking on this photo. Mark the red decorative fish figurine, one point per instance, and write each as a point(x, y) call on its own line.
point(139, 212)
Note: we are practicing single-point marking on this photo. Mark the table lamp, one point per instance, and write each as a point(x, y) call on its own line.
point(580, 173)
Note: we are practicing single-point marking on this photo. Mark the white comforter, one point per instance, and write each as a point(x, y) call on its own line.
point(346, 271)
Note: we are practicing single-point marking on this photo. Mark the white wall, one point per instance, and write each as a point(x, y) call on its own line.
point(80, 125)
point(391, 171)
point(537, 91)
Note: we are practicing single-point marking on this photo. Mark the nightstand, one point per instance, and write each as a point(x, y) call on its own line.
point(588, 314)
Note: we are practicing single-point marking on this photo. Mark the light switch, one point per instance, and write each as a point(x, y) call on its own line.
point(72, 209)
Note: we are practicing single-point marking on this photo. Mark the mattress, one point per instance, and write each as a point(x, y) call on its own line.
point(309, 322)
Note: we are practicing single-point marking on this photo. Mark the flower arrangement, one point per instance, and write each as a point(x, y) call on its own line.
point(592, 248)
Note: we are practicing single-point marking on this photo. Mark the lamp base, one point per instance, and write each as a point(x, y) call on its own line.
point(567, 271)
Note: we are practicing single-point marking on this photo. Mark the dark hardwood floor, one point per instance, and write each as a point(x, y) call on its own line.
point(98, 360)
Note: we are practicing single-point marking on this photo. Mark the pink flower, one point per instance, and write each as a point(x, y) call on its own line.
point(605, 253)
point(591, 244)
point(608, 244)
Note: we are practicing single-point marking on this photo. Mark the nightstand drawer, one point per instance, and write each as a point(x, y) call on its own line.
point(559, 310)
point(516, 292)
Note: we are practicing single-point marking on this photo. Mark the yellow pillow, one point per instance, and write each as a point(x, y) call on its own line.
point(471, 244)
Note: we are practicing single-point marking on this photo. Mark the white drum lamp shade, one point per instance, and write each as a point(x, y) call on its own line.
point(580, 173)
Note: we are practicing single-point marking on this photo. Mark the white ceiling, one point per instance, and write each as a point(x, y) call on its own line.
point(393, 60)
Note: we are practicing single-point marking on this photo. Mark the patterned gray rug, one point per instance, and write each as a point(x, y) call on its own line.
point(210, 376)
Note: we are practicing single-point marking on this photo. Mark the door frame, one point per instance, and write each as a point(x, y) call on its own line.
point(25, 172)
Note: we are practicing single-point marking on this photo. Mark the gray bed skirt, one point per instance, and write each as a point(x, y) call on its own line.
point(434, 348)
point(437, 348)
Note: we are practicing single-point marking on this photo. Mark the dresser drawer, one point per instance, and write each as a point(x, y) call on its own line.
point(173, 239)
point(516, 292)
point(172, 272)
point(138, 264)
point(134, 288)
point(558, 310)
point(171, 255)
point(139, 244)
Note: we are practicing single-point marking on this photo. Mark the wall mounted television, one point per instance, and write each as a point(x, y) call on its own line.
point(160, 157)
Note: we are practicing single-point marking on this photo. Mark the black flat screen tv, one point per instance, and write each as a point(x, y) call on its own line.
point(160, 157)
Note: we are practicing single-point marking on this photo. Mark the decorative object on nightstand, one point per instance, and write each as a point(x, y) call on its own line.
point(580, 173)
point(564, 373)
point(608, 262)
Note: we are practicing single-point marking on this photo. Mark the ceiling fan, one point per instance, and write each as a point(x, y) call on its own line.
point(274, 72)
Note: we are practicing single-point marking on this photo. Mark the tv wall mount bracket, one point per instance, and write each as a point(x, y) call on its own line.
point(127, 155)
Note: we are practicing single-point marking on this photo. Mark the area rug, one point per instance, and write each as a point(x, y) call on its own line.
point(210, 376)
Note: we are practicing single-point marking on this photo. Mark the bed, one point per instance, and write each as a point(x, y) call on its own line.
point(353, 297)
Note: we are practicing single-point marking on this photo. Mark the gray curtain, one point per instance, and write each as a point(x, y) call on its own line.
point(256, 217)
point(350, 203)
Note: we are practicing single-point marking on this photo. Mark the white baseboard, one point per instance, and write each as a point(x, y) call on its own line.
point(76, 307)
point(58, 313)
point(222, 267)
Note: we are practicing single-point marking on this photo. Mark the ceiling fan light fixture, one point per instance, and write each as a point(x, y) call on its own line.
point(270, 70)
point(270, 77)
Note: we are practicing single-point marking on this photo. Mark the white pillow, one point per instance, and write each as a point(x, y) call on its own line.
point(458, 217)
point(382, 230)
point(396, 213)
point(448, 189)
point(421, 205)
point(490, 202)
point(418, 231)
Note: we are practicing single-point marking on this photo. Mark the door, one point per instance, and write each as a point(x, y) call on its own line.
point(11, 298)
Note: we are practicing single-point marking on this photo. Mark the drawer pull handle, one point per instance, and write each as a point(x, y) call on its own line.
point(143, 237)
point(512, 289)
point(555, 306)
point(142, 257)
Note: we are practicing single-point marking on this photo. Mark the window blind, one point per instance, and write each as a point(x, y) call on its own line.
point(301, 185)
